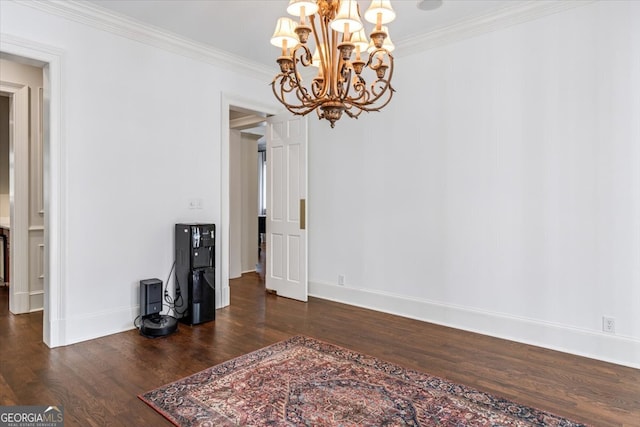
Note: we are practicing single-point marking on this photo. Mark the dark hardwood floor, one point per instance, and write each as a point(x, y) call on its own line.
point(97, 381)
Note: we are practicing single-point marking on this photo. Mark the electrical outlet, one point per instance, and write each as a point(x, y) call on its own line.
point(609, 324)
point(195, 203)
point(341, 279)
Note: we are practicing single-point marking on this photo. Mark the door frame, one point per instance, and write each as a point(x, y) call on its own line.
point(50, 59)
point(229, 100)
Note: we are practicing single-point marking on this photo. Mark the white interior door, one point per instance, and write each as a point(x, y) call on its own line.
point(286, 206)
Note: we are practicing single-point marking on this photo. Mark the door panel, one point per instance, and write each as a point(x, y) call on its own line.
point(276, 166)
point(286, 187)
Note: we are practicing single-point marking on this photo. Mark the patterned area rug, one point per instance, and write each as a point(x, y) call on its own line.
point(306, 382)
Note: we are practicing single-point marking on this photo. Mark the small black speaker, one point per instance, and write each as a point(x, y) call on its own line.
point(150, 297)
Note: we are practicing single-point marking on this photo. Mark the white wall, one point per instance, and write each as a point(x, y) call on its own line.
point(141, 134)
point(499, 191)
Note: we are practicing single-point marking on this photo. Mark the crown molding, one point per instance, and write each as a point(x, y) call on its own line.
point(491, 21)
point(102, 19)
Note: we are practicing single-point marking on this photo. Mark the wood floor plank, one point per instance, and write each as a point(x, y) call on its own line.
point(97, 381)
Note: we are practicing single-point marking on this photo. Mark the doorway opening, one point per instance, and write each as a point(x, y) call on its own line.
point(247, 181)
point(22, 208)
point(231, 102)
point(53, 262)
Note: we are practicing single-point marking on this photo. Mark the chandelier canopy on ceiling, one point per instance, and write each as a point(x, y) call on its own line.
point(354, 72)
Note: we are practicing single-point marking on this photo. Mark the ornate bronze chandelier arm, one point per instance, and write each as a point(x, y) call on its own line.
point(381, 63)
point(345, 74)
point(300, 110)
point(322, 53)
point(305, 59)
point(352, 114)
point(369, 106)
point(360, 89)
point(335, 71)
point(286, 86)
point(382, 85)
point(317, 86)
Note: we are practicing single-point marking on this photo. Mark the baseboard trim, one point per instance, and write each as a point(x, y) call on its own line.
point(96, 325)
point(224, 298)
point(19, 302)
point(596, 345)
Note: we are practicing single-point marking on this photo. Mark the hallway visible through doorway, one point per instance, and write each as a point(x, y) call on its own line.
point(247, 189)
point(22, 206)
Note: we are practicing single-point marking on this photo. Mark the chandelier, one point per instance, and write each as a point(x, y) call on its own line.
point(354, 72)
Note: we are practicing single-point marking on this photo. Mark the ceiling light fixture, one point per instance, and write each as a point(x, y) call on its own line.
point(429, 4)
point(338, 34)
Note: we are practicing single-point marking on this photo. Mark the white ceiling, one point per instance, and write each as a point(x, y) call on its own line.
point(244, 27)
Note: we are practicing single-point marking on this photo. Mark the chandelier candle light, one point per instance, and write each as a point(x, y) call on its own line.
point(341, 50)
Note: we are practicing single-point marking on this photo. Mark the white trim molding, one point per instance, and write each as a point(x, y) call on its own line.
point(54, 177)
point(95, 325)
point(228, 100)
point(581, 342)
point(491, 21)
point(124, 26)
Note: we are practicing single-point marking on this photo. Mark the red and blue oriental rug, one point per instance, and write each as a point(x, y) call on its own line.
point(306, 382)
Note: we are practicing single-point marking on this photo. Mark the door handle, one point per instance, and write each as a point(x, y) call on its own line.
point(303, 216)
